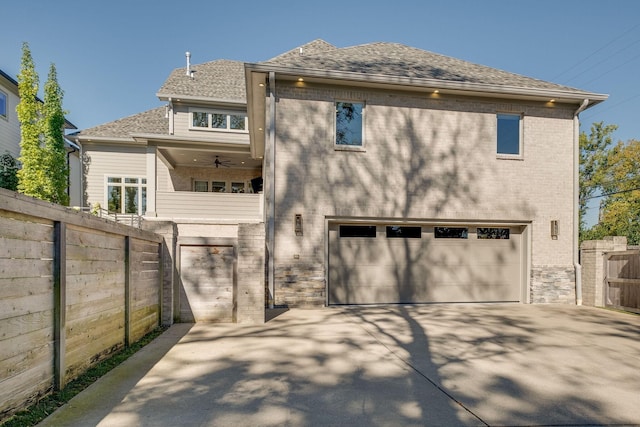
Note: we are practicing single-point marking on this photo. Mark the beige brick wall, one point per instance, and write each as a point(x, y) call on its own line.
point(424, 159)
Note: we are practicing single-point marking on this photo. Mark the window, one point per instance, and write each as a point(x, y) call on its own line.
point(237, 187)
point(349, 124)
point(509, 134)
point(200, 120)
point(395, 231)
point(3, 104)
point(451, 232)
point(219, 187)
point(201, 186)
point(493, 233)
point(218, 120)
point(357, 231)
point(127, 195)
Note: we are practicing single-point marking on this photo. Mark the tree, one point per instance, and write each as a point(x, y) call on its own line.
point(55, 160)
point(620, 185)
point(593, 164)
point(31, 177)
point(44, 172)
point(9, 167)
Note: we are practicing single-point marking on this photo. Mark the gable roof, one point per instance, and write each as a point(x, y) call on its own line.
point(221, 80)
point(149, 122)
point(398, 60)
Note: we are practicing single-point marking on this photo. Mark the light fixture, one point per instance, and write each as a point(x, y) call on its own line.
point(554, 229)
point(436, 91)
point(261, 84)
point(552, 100)
point(297, 224)
point(300, 79)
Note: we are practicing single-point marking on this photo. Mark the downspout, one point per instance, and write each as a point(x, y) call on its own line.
point(271, 210)
point(576, 199)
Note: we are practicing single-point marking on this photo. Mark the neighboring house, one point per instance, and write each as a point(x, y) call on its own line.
point(10, 134)
point(391, 175)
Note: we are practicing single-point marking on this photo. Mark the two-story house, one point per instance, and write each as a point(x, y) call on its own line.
point(382, 173)
point(10, 134)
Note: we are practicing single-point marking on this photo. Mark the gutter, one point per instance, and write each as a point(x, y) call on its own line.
point(576, 199)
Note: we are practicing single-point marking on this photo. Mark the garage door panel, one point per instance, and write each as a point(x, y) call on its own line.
point(426, 269)
point(206, 283)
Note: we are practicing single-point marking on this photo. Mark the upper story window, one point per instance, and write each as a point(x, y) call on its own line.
point(218, 120)
point(3, 104)
point(349, 123)
point(509, 134)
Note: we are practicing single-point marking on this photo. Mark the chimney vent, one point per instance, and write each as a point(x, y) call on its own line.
point(188, 55)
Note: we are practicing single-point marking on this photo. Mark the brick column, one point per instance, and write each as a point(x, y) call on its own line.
point(251, 278)
point(592, 261)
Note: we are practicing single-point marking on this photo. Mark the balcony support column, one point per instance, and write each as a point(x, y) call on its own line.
point(152, 178)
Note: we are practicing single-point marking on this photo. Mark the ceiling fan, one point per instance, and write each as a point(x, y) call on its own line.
point(223, 163)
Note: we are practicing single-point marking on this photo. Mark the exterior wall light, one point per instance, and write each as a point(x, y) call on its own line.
point(554, 229)
point(297, 224)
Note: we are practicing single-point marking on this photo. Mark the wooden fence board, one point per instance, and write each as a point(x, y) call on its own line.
point(25, 267)
point(25, 249)
point(22, 343)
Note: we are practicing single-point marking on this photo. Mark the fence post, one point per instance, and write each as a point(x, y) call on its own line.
point(127, 291)
point(60, 303)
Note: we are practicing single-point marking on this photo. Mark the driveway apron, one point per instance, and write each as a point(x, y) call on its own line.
point(441, 365)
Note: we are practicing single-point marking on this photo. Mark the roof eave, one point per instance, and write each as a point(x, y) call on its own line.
point(469, 88)
point(198, 99)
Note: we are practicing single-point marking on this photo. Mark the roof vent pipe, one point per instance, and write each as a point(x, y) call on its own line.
point(188, 55)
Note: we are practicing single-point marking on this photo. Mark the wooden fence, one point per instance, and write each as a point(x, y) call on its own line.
point(73, 289)
point(622, 280)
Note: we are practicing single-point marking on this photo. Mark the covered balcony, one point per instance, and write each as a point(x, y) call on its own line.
point(220, 183)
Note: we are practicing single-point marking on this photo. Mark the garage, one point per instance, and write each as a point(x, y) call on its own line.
point(425, 263)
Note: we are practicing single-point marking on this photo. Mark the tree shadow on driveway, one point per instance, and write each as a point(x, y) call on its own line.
point(465, 364)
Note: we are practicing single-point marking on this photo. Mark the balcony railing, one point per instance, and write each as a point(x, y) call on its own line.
point(210, 206)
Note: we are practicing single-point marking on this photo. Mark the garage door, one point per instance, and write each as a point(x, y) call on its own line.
point(373, 263)
point(206, 283)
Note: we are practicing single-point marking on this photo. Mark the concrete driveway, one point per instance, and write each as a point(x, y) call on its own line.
point(435, 365)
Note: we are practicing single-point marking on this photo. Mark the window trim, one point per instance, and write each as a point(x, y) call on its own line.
point(344, 147)
point(4, 95)
point(520, 154)
point(209, 112)
point(140, 185)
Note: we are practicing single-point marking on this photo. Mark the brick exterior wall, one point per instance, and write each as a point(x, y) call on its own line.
point(250, 298)
point(592, 261)
point(426, 159)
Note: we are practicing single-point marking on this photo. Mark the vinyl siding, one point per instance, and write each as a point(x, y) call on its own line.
point(9, 125)
point(110, 160)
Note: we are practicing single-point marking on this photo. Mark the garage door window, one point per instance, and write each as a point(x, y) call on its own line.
point(357, 231)
point(395, 231)
point(451, 232)
point(493, 233)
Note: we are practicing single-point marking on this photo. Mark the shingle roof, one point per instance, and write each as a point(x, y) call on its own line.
point(222, 79)
point(398, 60)
point(148, 122)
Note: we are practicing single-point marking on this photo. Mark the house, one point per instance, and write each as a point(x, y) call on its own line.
point(10, 134)
point(379, 173)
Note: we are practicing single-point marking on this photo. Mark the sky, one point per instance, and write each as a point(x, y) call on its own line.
point(112, 57)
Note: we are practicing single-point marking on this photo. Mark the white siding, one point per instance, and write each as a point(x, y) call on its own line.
point(109, 160)
point(211, 206)
point(9, 126)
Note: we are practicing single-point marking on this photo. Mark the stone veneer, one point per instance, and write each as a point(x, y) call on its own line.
point(553, 284)
point(300, 285)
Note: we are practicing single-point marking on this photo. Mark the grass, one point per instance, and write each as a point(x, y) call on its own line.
point(48, 404)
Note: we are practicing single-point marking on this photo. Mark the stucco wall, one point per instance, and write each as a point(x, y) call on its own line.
point(424, 158)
